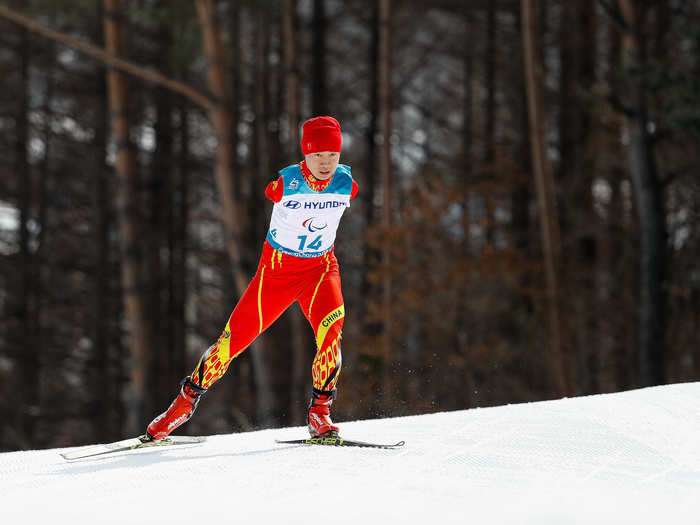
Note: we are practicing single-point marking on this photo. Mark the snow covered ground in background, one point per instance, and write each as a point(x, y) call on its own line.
point(632, 457)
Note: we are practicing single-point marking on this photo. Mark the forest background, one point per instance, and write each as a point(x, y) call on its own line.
point(526, 227)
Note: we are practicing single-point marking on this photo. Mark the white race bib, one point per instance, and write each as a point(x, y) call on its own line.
point(304, 222)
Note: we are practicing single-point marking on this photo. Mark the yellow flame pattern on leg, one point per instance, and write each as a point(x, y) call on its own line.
point(325, 369)
point(214, 362)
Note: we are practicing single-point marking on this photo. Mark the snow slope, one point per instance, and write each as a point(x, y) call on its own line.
point(632, 457)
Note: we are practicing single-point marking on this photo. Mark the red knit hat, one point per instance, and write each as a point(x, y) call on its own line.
point(320, 134)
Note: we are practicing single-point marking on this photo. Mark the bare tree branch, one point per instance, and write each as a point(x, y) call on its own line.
point(109, 59)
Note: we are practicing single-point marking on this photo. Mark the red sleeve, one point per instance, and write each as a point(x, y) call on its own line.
point(275, 190)
point(355, 189)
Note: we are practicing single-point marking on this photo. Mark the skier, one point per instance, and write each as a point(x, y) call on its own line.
point(297, 264)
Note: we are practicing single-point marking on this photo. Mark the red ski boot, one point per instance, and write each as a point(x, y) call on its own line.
point(319, 419)
point(180, 410)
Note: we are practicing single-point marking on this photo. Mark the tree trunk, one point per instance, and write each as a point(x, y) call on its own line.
point(549, 222)
point(386, 95)
point(261, 103)
point(291, 66)
point(490, 66)
point(41, 257)
point(160, 214)
point(104, 381)
point(650, 206)
point(369, 188)
point(300, 339)
point(235, 79)
point(178, 235)
point(319, 99)
point(461, 330)
point(28, 361)
point(490, 139)
point(220, 116)
point(129, 226)
point(159, 197)
point(521, 226)
point(577, 58)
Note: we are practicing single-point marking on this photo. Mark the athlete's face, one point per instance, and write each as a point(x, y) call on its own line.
point(323, 164)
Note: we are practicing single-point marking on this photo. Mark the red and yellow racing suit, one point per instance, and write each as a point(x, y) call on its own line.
point(291, 270)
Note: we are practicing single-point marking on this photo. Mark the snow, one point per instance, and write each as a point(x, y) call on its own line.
point(631, 457)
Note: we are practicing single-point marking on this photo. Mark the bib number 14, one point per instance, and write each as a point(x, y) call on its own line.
point(313, 245)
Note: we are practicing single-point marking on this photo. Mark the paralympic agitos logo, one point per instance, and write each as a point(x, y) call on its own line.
point(312, 226)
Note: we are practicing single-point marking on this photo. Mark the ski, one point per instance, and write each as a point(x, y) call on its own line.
point(337, 441)
point(130, 444)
